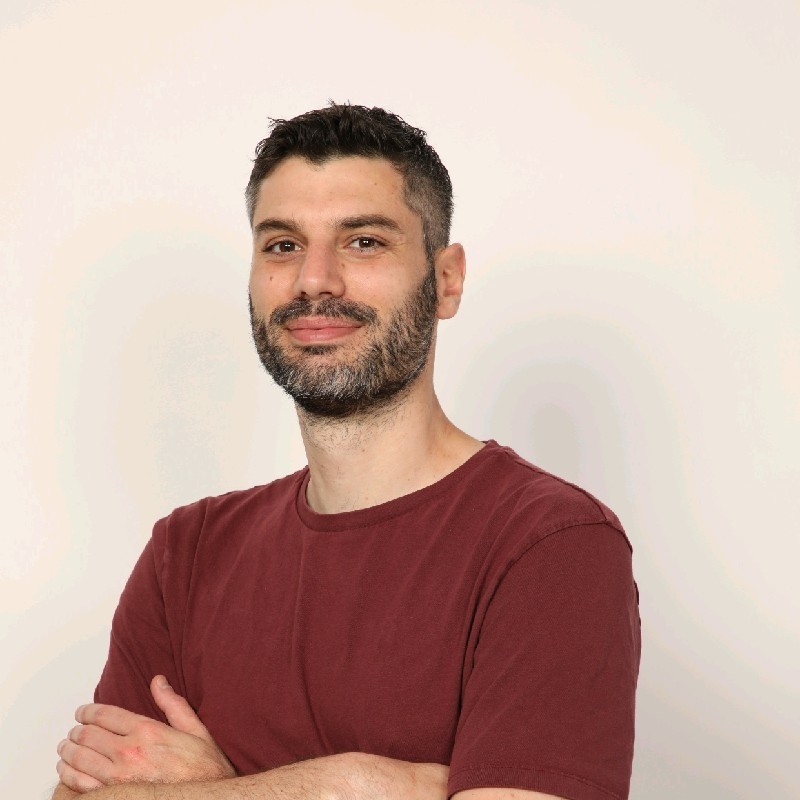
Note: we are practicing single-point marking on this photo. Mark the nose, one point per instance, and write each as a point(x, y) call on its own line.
point(320, 274)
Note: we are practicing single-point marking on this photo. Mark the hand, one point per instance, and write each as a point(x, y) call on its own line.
point(112, 745)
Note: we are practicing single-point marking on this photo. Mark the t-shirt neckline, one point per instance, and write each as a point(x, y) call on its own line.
point(365, 517)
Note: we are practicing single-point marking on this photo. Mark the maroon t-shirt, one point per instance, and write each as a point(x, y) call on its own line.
point(488, 621)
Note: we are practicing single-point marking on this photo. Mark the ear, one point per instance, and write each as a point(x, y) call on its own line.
point(451, 269)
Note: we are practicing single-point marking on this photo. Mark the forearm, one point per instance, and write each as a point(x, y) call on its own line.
point(63, 793)
point(349, 776)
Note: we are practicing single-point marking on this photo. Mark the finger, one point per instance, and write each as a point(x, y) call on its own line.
point(75, 780)
point(85, 760)
point(98, 739)
point(177, 710)
point(114, 719)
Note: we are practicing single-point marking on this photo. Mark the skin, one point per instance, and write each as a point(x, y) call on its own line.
point(341, 229)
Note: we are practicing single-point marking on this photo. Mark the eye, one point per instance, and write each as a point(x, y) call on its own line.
point(365, 243)
point(281, 247)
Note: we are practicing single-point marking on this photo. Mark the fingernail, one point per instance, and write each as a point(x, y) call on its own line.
point(61, 746)
point(163, 683)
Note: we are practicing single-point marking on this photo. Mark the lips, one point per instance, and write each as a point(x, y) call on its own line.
point(318, 330)
point(320, 323)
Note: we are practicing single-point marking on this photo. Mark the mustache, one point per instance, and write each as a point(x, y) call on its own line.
point(333, 307)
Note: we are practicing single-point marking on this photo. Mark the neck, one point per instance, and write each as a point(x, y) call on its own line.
point(370, 458)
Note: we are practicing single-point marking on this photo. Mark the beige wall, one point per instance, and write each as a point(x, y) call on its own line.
point(627, 180)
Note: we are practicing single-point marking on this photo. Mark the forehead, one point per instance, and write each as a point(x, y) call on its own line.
point(299, 189)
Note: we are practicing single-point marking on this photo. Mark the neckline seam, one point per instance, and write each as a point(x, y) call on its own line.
point(408, 503)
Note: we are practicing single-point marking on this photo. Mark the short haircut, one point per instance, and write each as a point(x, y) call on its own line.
point(345, 130)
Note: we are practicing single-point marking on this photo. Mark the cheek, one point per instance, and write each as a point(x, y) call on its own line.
point(378, 289)
point(266, 290)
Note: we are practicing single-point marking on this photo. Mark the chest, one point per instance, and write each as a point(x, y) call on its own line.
point(324, 644)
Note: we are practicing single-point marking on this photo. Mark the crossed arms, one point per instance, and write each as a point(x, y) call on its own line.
point(535, 698)
point(118, 755)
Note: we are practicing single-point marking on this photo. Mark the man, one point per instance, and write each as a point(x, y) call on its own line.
point(415, 614)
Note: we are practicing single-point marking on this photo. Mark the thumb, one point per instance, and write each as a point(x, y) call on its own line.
point(178, 712)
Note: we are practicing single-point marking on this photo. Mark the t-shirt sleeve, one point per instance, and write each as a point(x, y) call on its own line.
point(548, 704)
point(140, 645)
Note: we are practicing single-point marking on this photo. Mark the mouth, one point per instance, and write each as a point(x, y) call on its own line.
point(313, 330)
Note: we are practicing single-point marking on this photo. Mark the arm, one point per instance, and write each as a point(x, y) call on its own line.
point(549, 702)
point(119, 755)
point(503, 794)
point(349, 776)
point(423, 783)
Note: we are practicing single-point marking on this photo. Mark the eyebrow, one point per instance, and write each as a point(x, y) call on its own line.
point(368, 221)
point(275, 224)
point(344, 223)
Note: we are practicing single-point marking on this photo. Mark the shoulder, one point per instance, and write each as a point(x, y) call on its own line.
point(241, 500)
point(231, 515)
point(540, 503)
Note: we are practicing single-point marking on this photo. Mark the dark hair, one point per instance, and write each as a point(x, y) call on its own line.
point(347, 130)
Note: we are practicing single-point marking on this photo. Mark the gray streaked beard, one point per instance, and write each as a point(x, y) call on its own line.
point(385, 366)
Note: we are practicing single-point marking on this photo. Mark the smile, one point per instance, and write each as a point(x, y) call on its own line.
point(321, 329)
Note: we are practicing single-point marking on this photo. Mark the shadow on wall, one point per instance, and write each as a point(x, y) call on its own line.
point(52, 680)
point(580, 397)
point(562, 415)
point(144, 374)
point(561, 403)
point(183, 378)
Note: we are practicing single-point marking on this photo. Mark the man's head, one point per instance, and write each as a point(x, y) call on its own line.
point(346, 130)
point(347, 279)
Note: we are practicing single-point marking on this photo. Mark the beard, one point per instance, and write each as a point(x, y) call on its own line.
point(374, 376)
